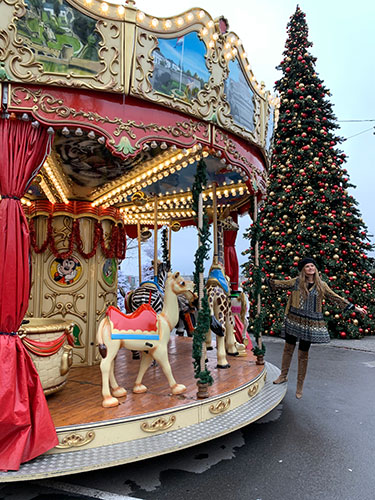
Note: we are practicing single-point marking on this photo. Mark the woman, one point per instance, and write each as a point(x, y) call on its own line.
point(304, 316)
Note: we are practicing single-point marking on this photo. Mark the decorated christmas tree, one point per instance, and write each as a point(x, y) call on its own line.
point(308, 211)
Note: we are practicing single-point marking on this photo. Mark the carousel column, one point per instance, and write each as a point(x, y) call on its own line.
point(75, 287)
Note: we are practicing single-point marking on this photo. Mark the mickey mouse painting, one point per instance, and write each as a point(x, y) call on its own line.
point(67, 270)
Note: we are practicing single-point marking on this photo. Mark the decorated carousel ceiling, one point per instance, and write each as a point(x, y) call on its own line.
point(80, 168)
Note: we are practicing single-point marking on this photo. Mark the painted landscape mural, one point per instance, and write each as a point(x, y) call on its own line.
point(240, 97)
point(62, 38)
point(179, 66)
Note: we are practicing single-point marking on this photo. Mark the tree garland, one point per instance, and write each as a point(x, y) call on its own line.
point(116, 249)
point(202, 253)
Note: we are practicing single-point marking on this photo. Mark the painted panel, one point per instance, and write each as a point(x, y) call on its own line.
point(240, 97)
point(61, 37)
point(179, 67)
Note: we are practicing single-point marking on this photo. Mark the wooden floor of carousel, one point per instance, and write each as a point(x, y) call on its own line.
point(153, 423)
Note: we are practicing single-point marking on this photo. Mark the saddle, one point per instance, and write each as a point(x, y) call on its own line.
point(216, 277)
point(140, 325)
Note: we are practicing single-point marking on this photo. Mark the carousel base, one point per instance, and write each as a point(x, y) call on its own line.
point(154, 423)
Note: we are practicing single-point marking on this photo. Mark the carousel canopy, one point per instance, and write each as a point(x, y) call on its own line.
point(134, 101)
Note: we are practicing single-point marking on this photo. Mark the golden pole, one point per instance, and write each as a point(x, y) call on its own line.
point(169, 241)
point(155, 238)
point(214, 220)
point(139, 252)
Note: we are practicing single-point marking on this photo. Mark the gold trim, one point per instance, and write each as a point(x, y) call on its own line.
point(76, 440)
point(254, 389)
point(220, 407)
point(160, 424)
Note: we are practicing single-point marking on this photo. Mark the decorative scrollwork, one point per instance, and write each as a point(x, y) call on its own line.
point(76, 440)
point(160, 424)
point(220, 407)
point(253, 390)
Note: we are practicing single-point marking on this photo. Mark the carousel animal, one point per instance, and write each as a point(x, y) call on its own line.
point(143, 331)
point(218, 291)
point(150, 292)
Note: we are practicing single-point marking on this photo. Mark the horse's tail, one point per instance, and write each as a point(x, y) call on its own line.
point(100, 339)
point(127, 301)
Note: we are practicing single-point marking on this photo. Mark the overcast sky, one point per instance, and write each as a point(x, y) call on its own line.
point(343, 42)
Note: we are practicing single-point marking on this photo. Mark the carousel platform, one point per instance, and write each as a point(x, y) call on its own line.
point(154, 423)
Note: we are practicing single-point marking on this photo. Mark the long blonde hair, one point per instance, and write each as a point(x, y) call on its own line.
point(317, 282)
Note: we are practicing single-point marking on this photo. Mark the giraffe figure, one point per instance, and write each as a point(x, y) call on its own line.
point(218, 292)
point(226, 223)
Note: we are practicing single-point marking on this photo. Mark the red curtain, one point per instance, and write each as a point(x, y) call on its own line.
point(230, 257)
point(26, 427)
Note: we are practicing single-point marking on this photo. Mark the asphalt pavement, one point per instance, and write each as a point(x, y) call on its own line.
point(318, 448)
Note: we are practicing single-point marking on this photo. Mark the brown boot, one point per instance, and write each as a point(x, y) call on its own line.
point(285, 363)
point(303, 358)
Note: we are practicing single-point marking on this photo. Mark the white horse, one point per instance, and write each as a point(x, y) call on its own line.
point(142, 331)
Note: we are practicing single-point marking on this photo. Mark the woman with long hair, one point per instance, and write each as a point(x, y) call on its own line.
point(304, 319)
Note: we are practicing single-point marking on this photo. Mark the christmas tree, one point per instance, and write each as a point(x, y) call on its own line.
point(308, 211)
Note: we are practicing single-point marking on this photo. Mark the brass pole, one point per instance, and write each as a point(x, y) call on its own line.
point(139, 252)
point(155, 238)
point(214, 221)
point(169, 241)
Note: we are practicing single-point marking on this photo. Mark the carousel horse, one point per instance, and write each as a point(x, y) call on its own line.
point(218, 292)
point(144, 331)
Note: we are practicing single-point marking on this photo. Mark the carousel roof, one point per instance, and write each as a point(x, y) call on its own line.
point(134, 101)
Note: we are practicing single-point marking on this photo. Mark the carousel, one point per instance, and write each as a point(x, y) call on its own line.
point(119, 125)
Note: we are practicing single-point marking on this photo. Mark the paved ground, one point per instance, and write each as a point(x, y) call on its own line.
point(318, 448)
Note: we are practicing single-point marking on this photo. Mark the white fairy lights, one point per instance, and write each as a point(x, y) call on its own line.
point(56, 180)
point(177, 205)
point(139, 179)
point(47, 190)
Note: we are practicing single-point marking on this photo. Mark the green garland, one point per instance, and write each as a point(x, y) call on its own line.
point(202, 253)
point(257, 290)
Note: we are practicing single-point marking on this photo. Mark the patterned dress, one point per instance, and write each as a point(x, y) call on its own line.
point(304, 317)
